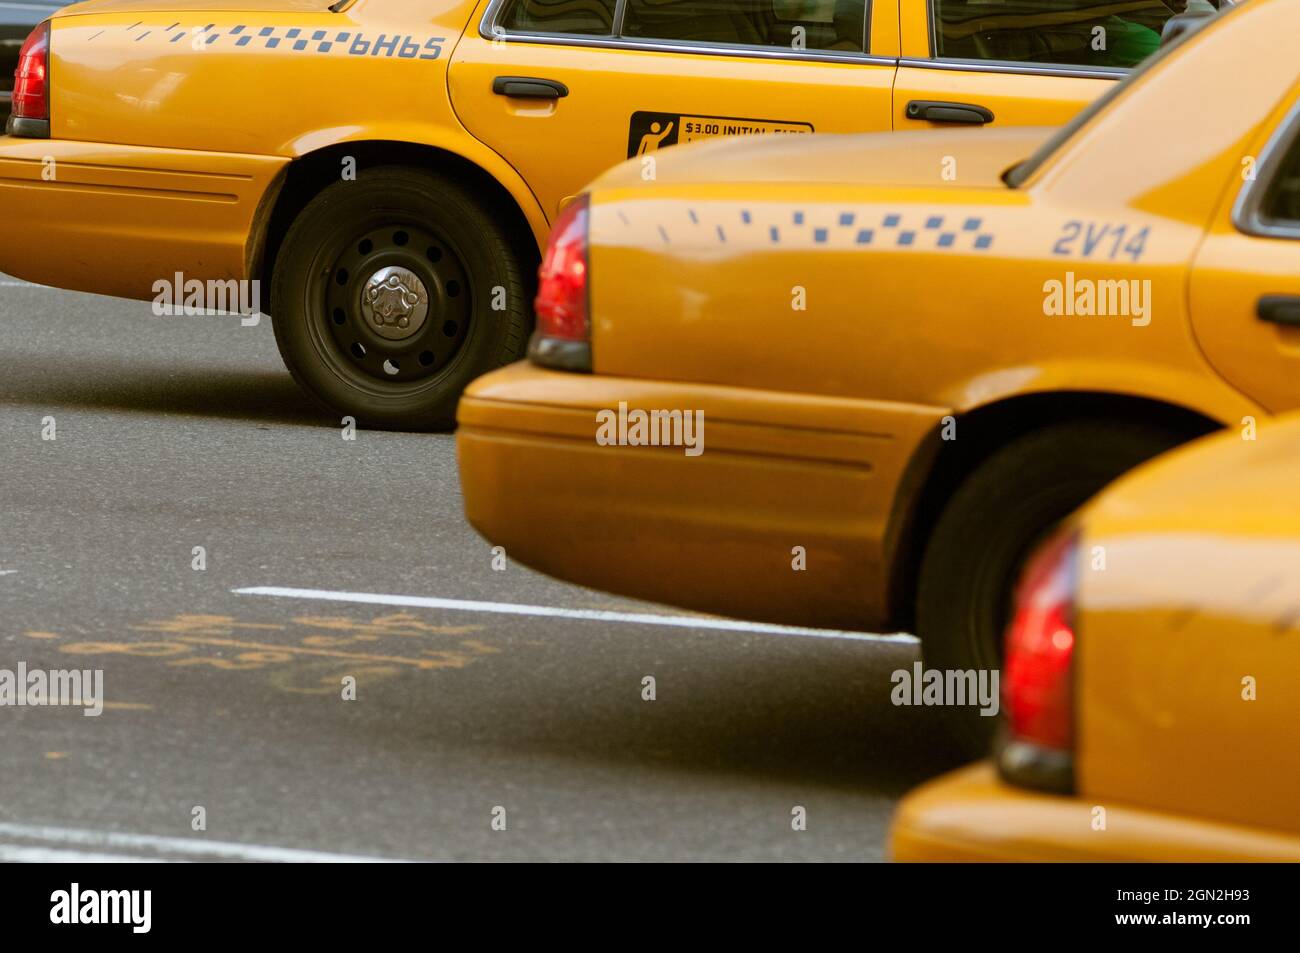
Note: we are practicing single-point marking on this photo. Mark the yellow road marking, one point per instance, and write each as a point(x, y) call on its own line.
point(355, 656)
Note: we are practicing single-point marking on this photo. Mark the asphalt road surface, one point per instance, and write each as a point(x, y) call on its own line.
point(227, 708)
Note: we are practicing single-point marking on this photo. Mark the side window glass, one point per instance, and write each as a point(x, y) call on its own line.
point(1281, 205)
point(579, 17)
point(837, 25)
point(1097, 33)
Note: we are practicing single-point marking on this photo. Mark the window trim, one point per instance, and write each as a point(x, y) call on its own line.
point(490, 29)
point(1012, 66)
point(935, 61)
point(1247, 213)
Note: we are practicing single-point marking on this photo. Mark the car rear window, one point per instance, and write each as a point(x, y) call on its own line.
point(1281, 205)
point(1091, 33)
point(580, 17)
point(790, 24)
point(836, 25)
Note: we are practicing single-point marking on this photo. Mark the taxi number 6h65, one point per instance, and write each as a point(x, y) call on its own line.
point(403, 46)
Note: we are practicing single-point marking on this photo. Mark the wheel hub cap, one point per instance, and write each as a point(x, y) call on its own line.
point(395, 303)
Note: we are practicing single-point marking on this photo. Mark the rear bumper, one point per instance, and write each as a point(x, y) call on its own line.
point(113, 219)
point(971, 815)
point(714, 532)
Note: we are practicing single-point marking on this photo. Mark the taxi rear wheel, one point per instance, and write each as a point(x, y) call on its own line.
point(392, 292)
point(991, 525)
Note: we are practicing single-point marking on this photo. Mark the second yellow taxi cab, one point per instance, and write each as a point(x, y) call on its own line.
point(1149, 687)
point(852, 382)
point(378, 175)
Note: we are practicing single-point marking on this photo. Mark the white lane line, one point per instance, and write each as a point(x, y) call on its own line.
point(226, 850)
point(13, 854)
point(588, 615)
point(17, 284)
point(7, 572)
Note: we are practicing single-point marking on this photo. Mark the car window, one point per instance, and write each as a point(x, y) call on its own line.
point(1281, 205)
point(1096, 33)
point(838, 25)
point(581, 17)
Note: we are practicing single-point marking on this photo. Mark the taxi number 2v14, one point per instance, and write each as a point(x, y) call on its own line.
point(1099, 240)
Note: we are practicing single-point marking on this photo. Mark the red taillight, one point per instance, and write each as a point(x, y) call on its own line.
point(562, 287)
point(31, 78)
point(1038, 678)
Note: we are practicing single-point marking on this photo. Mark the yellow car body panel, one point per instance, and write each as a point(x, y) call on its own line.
point(970, 816)
point(805, 96)
point(1237, 262)
point(1187, 652)
point(1185, 664)
point(249, 86)
point(173, 88)
point(201, 205)
point(736, 253)
point(884, 32)
point(852, 271)
point(1048, 100)
point(815, 473)
point(138, 87)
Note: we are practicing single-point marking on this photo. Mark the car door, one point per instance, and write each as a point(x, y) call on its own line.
point(1017, 62)
point(1245, 286)
point(564, 89)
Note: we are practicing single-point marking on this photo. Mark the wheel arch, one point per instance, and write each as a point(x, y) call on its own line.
point(943, 465)
point(311, 172)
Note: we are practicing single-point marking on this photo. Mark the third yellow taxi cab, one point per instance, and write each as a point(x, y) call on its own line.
point(387, 169)
point(1149, 694)
point(852, 382)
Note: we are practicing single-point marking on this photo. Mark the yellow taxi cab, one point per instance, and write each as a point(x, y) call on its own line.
point(829, 384)
point(1149, 700)
point(388, 169)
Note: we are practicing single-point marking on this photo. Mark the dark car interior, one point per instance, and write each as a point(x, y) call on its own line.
point(1282, 204)
point(1113, 33)
point(838, 25)
point(826, 24)
point(583, 17)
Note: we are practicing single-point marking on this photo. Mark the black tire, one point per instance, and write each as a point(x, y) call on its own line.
point(989, 528)
point(430, 228)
